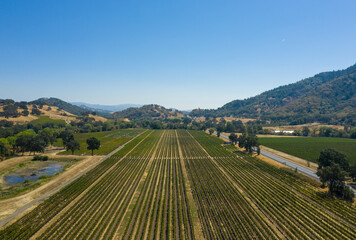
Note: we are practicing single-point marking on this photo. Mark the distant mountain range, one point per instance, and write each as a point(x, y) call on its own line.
point(328, 97)
point(105, 108)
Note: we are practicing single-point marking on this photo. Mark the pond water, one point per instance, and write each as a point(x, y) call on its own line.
point(34, 175)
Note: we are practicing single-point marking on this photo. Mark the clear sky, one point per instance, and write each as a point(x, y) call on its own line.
point(182, 54)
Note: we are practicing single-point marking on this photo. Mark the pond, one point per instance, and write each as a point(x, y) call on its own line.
point(34, 174)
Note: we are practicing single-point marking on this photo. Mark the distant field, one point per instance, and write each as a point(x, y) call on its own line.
point(46, 119)
point(108, 140)
point(309, 147)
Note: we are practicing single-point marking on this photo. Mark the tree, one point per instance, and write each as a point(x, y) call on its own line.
point(230, 127)
point(93, 144)
point(330, 156)
point(305, 131)
point(37, 144)
point(332, 170)
point(233, 138)
point(211, 131)
point(73, 145)
point(12, 142)
point(24, 139)
point(353, 133)
point(333, 176)
point(218, 133)
point(249, 142)
point(10, 111)
point(353, 172)
point(35, 111)
point(4, 151)
point(66, 136)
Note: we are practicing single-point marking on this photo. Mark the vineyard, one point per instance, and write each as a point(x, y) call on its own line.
point(178, 184)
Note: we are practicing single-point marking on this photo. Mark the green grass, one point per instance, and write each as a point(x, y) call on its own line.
point(309, 148)
point(46, 119)
point(108, 141)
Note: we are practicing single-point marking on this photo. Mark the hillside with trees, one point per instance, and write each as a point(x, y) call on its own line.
point(148, 112)
point(327, 97)
point(60, 104)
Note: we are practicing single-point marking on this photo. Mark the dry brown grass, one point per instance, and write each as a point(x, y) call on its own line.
point(50, 111)
point(311, 126)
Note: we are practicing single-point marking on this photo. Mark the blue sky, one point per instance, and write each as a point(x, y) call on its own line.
point(182, 54)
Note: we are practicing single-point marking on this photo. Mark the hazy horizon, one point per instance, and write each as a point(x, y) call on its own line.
point(182, 55)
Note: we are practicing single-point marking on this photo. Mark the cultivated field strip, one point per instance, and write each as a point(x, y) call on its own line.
point(87, 218)
point(175, 184)
point(161, 210)
point(297, 216)
point(224, 212)
point(32, 222)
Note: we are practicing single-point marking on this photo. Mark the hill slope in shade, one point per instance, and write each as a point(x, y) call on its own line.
point(327, 97)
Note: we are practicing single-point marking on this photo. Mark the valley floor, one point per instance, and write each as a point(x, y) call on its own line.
point(178, 184)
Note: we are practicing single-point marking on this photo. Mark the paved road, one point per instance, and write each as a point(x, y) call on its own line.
point(290, 164)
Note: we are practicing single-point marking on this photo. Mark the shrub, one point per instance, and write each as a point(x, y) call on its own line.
point(40, 158)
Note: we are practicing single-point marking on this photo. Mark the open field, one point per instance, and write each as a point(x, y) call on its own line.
point(309, 147)
point(178, 184)
point(108, 141)
point(46, 119)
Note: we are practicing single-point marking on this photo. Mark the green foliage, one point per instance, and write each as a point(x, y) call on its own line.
point(233, 138)
point(109, 140)
point(4, 151)
point(305, 131)
point(46, 121)
point(332, 171)
point(249, 142)
point(147, 112)
point(330, 156)
point(93, 144)
point(211, 131)
point(40, 158)
point(309, 148)
point(73, 145)
point(66, 136)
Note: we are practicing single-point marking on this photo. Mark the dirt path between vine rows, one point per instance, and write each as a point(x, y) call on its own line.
point(198, 232)
point(135, 197)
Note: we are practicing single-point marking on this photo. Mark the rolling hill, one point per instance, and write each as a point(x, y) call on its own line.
point(151, 112)
point(327, 97)
point(60, 104)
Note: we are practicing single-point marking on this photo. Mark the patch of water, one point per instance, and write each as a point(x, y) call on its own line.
point(48, 170)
